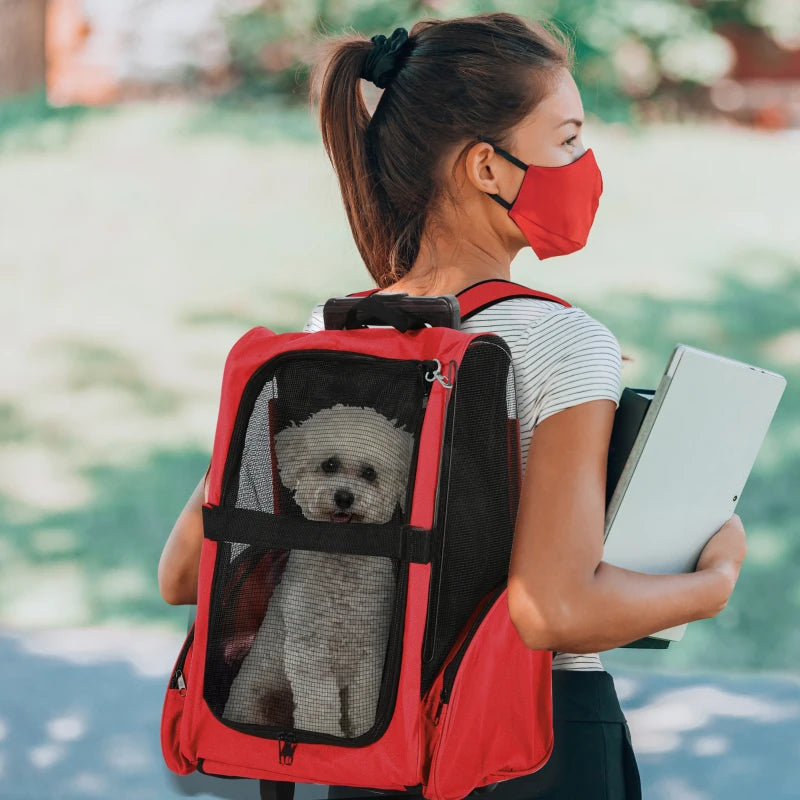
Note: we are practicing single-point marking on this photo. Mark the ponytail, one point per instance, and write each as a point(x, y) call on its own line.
point(344, 120)
point(465, 80)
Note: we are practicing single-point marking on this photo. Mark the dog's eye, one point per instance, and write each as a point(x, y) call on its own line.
point(331, 465)
point(369, 474)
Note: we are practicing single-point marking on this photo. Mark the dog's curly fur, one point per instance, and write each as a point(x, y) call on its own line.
point(323, 640)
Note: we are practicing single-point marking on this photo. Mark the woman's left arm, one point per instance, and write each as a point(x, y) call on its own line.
point(180, 559)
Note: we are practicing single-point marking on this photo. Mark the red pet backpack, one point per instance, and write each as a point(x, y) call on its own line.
point(377, 653)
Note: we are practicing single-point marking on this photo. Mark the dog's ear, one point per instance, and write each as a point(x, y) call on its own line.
point(288, 449)
point(406, 449)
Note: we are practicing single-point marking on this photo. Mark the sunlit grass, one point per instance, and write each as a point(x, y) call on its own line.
point(137, 249)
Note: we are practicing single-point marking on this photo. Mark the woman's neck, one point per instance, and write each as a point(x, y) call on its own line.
point(447, 267)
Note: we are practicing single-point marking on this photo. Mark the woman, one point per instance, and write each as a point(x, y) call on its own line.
point(438, 198)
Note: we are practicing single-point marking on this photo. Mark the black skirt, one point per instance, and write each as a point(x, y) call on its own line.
point(592, 756)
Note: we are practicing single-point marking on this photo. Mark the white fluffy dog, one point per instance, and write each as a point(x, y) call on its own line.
point(323, 639)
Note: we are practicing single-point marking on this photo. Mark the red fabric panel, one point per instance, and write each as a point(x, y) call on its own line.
point(499, 721)
point(194, 690)
point(171, 719)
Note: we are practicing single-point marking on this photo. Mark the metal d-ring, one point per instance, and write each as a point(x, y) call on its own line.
point(436, 375)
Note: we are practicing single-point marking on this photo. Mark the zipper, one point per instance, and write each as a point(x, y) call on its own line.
point(287, 744)
point(178, 679)
point(432, 623)
point(452, 667)
point(429, 636)
point(425, 366)
point(255, 385)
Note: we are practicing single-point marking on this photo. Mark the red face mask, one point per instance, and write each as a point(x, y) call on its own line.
point(555, 206)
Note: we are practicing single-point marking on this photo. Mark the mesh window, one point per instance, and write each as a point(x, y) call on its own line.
point(477, 498)
point(310, 639)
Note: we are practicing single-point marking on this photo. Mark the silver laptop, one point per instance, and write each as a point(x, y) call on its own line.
point(689, 462)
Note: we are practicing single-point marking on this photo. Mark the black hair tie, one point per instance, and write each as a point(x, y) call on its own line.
point(385, 58)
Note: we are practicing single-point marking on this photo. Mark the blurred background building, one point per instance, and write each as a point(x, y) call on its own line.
point(651, 58)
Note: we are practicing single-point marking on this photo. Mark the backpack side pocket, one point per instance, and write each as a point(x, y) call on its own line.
point(172, 711)
point(489, 712)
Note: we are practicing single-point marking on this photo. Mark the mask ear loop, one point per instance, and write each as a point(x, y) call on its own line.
point(516, 162)
point(512, 159)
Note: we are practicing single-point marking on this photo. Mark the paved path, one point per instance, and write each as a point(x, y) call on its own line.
point(80, 710)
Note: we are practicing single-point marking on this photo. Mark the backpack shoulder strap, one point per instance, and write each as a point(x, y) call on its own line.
point(486, 293)
point(275, 790)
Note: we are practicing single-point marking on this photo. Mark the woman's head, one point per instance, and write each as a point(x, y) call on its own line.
point(458, 88)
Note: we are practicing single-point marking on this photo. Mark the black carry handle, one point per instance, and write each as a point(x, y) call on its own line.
point(374, 310)
point(401, 311)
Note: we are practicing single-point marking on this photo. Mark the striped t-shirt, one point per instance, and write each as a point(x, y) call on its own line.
point(561, 357)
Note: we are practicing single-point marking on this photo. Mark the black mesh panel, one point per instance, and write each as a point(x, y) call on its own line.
point(475, 511)
point(301, 639)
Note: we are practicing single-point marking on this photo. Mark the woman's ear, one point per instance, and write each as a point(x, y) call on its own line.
point(486, 170)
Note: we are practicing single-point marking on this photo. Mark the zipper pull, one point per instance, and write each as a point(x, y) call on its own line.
point(287, 743)
point(436, 374)
point(180, 682)
point(444, 697)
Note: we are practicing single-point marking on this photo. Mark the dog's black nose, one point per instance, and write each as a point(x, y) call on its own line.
point(343, 498)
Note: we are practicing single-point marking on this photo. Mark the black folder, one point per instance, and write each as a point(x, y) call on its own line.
point(633, 405)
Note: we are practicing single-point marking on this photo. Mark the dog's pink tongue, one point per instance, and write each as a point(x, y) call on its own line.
point(340, 516)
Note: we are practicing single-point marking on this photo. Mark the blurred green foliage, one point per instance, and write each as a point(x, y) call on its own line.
point(29, 121)
point(627, 51)
point(139, 250)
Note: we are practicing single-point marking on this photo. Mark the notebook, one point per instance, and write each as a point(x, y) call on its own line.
point(690, 449)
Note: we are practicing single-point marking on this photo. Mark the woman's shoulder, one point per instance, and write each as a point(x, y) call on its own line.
point(529, 320)
point(562, 356)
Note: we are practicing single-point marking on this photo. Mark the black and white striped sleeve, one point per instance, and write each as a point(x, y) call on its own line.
point(571, 358)
point(315, 321)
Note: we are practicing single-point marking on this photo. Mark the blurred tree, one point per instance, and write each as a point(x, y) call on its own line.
point(273, 43)
point(631, 55)
point(22, 63)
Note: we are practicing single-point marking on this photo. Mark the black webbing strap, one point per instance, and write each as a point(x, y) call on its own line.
point(390, 539)
point(276, 790)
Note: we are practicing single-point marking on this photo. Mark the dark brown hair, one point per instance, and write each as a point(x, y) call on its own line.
point(463, 81)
